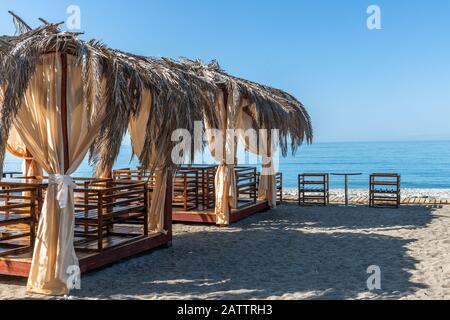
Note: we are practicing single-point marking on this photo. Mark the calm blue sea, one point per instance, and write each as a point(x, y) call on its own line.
point(424, 164)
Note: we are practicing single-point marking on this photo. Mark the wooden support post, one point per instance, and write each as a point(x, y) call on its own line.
point(168, 207)
point(64, 113)
point(146, 207)
point(185, 193)
point(225, 101)
point(100, 221)
point(192, 155)
point(33, 218)
point(281, 187)
point(346, 190)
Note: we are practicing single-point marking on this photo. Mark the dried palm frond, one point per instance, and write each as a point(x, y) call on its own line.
point(21, 26)
point(275, 109)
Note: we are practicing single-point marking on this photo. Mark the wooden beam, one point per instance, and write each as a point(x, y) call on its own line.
point(225, 101)
point(91, 262)
point(20, 20)
point(64, 113)
point(194, 216)
point(239, 214)
point(28, 162)
point(168, 207)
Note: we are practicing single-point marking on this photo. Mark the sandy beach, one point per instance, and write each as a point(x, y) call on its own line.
point(288, 253)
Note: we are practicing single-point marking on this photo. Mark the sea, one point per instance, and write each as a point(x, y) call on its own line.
point(422, 164)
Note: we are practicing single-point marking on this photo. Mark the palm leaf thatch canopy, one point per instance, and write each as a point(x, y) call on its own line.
point(182, 91)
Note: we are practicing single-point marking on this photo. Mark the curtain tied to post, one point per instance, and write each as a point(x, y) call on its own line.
point(65, 186)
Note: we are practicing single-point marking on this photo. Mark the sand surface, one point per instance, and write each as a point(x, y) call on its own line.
point(288, 253)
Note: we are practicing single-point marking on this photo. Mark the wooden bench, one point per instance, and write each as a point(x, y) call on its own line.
point(100, 208)
point(313, 189)
point(384, 190)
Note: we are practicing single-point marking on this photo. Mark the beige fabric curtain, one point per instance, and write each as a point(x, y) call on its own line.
point(157, 205)
point(264, 148)
point(18, 149)
point(221, 145)
point(138, 125)
point(15, 145)
point(39, 125)
point(136, 128)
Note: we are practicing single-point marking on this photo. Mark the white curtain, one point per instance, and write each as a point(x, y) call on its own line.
point(263, 147)
point(40, 127)
point(137, 128)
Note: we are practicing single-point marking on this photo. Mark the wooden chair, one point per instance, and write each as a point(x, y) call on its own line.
point(279, 180)
point(246, 186)
point(18, 207)
point(313, 189)
point(385, 190)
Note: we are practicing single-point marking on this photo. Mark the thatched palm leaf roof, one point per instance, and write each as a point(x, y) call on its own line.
point(275, 109)
point(183, 91)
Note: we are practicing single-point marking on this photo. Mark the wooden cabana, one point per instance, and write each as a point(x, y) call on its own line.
point(238, 106)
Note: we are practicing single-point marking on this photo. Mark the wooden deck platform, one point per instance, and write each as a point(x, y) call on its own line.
point(116, 249)
point(339, 199)
point(364, 200)
point(208, 216)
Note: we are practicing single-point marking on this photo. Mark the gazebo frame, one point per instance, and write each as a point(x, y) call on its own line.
point(19, 265)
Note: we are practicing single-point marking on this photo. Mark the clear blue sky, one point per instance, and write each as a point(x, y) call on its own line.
point(358, 85)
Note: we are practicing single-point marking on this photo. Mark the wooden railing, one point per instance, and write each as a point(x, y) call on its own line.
point(279, 177)
point(246, 186)
point(205, 183)
point(101, 208)
point(186, 189)
point(133, 175)
point(193, 185)
point(18, 208)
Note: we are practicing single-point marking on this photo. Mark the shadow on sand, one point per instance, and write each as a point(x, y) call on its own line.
point(291, 252)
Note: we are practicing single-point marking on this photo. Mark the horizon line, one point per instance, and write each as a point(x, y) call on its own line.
point(379, 141)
